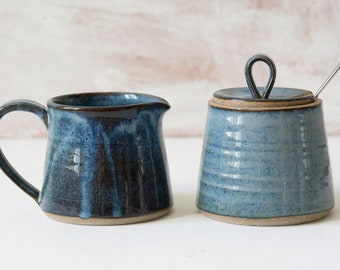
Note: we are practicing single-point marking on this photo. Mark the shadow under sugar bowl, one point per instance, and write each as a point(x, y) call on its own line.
point(105, 162)
point(265, 158)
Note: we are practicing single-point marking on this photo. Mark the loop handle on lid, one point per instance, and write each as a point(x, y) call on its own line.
point(250, 80)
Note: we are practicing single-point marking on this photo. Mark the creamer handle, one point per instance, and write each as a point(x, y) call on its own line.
point(8, 169)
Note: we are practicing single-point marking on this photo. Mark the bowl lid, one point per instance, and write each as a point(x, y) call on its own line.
point(276, 94)
point(267, 97)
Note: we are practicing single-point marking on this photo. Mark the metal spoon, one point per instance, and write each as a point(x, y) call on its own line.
point(327, 81)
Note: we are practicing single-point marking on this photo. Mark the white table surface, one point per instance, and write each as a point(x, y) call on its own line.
point(184, 239)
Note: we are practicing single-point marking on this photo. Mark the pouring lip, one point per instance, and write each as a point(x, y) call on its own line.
point(105, 101)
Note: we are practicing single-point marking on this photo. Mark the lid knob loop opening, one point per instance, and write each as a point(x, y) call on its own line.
point(250, 80)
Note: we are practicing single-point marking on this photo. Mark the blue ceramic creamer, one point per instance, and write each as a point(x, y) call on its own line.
point(105, 163)
point(265, 158)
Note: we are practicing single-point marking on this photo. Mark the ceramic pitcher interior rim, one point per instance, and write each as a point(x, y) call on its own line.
point(105, 101)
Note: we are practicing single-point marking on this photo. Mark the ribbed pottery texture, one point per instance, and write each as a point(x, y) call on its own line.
point(265, 164)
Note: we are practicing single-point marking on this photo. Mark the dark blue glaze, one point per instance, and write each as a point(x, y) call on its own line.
point(105, 156)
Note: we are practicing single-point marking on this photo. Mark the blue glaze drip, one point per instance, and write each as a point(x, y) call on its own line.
point(106, 157)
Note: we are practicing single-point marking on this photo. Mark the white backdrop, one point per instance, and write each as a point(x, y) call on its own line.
point(180, 50)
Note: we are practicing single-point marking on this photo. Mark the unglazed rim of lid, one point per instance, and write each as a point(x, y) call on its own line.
point(263, 98)
point(280, 99)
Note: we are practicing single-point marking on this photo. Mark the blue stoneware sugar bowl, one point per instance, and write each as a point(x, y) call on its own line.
point(265, 159)
point(105, 162)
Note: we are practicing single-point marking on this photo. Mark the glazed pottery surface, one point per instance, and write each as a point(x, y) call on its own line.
point(105, 162)
point(265, 162)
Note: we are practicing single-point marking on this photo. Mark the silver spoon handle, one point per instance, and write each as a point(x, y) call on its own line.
point(327, 81)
